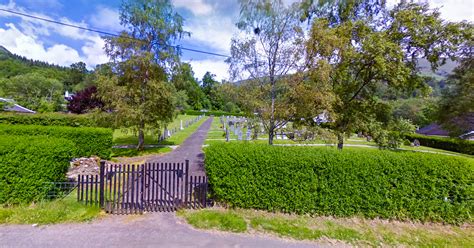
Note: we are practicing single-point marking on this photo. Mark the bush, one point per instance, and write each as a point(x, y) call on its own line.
point(208, 113)
point(324, 181)
point(47, 119)
point(449, 144)
point(27, 163)
point(88, 140)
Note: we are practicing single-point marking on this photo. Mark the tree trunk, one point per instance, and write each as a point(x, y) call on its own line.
point(141, 136)
point(340, 141)
point(270, 134)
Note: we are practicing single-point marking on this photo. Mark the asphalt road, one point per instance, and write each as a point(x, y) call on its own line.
point(147, 230)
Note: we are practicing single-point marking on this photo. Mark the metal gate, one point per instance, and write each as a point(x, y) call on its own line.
point(149, 187)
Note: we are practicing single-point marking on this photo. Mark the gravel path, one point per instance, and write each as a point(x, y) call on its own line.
point(190, 149)
point(147, 230)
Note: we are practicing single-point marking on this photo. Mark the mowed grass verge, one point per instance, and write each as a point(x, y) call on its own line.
point(126, 136)
point(355, 231)
point(49, 212)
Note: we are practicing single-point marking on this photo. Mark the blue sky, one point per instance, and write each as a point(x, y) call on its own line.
point(211, 23)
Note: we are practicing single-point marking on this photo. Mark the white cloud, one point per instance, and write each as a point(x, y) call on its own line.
point(25, 38)
point(17, 42)
point(197, 7)
point(217, 67)
point(106, 18)
point(216, 32)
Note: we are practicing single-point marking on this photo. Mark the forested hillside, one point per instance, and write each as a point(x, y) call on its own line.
point(38, 85)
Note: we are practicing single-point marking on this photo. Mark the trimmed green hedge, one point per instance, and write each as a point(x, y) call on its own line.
point(449, 144)
point(352, 182)
point(215, 113)
point(27, 163)
point(88, 140)
point(47, 119)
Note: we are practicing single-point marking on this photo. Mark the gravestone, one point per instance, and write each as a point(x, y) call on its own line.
point(181, 125)
point(247, 135)
point(239, 136)
point(227, 135)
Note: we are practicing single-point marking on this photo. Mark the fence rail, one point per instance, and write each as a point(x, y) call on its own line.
point(149, 187)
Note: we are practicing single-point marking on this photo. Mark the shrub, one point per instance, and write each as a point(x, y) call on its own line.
point(47, 119)
point(84, 101)
point(27, 163)
point(372, 183)
point(88, 140)
point(449, 144)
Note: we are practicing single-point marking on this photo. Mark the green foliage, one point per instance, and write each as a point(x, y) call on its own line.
point(449, 144)
point(49, 212)
point(183, 80)
point(420, 111)
point(223, 221)
point(392, 136)
point(323, 181)
point(370, 56)
point(88, 140)
point(34, 90)
point(27, 163)
point(135, 85)
point(456, 109)
point(48, 119)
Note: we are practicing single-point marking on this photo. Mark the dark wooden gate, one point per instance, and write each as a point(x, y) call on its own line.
point(149, 187)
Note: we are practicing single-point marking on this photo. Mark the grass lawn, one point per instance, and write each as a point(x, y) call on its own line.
point(355, 231)
point(49, 212)
point(132, 152)
point(125, 136)
point(216, 136)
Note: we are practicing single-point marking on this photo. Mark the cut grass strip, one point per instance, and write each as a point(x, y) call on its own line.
point(133, 152)
point(355, 231)
point(208, 219)
point(49, 212)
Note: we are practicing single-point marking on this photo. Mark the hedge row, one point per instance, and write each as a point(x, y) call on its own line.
point(27, 163)
point(47, 119)
point(208, 113)
point(88, 140)
point(449, 144)
point(353, 182)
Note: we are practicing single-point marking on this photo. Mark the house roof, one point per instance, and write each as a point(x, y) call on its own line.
point(433, 129)
point(15, 107)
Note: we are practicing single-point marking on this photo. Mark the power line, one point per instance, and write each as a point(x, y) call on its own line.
point(106, 33)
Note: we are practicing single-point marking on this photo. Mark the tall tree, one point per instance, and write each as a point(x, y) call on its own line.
point(136, 87)
point(456, 106)
point(183, 80)
point(359, 55)
point(268, 48)
point(210, 88)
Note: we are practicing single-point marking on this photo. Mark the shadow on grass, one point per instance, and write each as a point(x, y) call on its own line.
point(133, 152)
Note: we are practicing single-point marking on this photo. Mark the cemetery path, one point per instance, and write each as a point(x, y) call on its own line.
point(190, 149)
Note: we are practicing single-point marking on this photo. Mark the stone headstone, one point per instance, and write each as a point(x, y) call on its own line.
point(181, 125)
point(247, 135)
point(227, 135)
point(416, 143)
point(239, 135)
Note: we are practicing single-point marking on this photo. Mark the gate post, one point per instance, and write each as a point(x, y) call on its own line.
point(102, 183)
point(142, 188)
point(186, 171)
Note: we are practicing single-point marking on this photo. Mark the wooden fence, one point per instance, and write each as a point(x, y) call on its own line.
point(149, 187)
